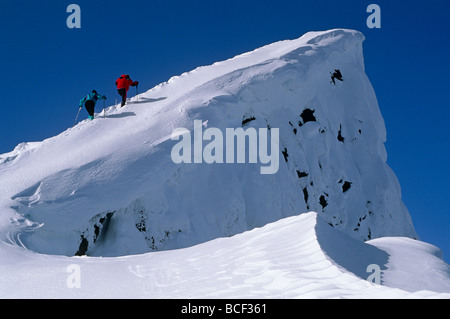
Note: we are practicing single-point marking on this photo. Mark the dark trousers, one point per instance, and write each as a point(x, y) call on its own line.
point(123, 94)
point(90, 106)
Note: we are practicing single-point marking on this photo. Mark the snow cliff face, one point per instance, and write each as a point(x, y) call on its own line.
point(122, 193)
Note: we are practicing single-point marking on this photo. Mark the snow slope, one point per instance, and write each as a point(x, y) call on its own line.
point(285, 259)
point(110, 188)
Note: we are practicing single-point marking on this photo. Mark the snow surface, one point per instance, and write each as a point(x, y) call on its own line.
point(109, 189)
point(285, 259)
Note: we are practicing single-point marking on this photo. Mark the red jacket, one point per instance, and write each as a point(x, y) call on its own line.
point(124, 82)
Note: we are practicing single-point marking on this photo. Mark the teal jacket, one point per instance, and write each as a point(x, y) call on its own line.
point(92, 97)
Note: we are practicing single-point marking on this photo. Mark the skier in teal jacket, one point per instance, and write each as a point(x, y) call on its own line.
point(90, 100)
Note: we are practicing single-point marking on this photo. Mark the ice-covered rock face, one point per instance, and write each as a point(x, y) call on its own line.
point(124, 194)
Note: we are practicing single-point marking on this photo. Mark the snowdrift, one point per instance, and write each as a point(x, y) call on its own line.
point(111, 188)
point(291, 258)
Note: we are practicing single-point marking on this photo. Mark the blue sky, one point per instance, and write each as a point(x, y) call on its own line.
point(46, 68)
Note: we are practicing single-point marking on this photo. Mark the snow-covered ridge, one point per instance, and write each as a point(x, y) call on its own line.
point(292, 258)
point(117, 171)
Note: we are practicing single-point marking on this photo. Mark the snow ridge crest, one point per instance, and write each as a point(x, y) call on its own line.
point(124, 194)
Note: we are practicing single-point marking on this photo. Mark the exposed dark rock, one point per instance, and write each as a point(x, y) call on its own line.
point(301, 174)
point(307, 116)
point(83, 247)
point(247, 120)
point(346, 186)
point(285, 154)
point(323, 202)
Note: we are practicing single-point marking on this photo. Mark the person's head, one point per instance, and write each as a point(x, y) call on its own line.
point(94, 91)
point(127, 76)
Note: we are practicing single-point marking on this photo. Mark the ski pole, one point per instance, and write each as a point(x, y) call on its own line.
point(137, 92)
point(104, 111)
point(79, 109)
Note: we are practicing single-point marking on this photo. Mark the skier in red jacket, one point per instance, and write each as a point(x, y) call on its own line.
point(123, 84)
